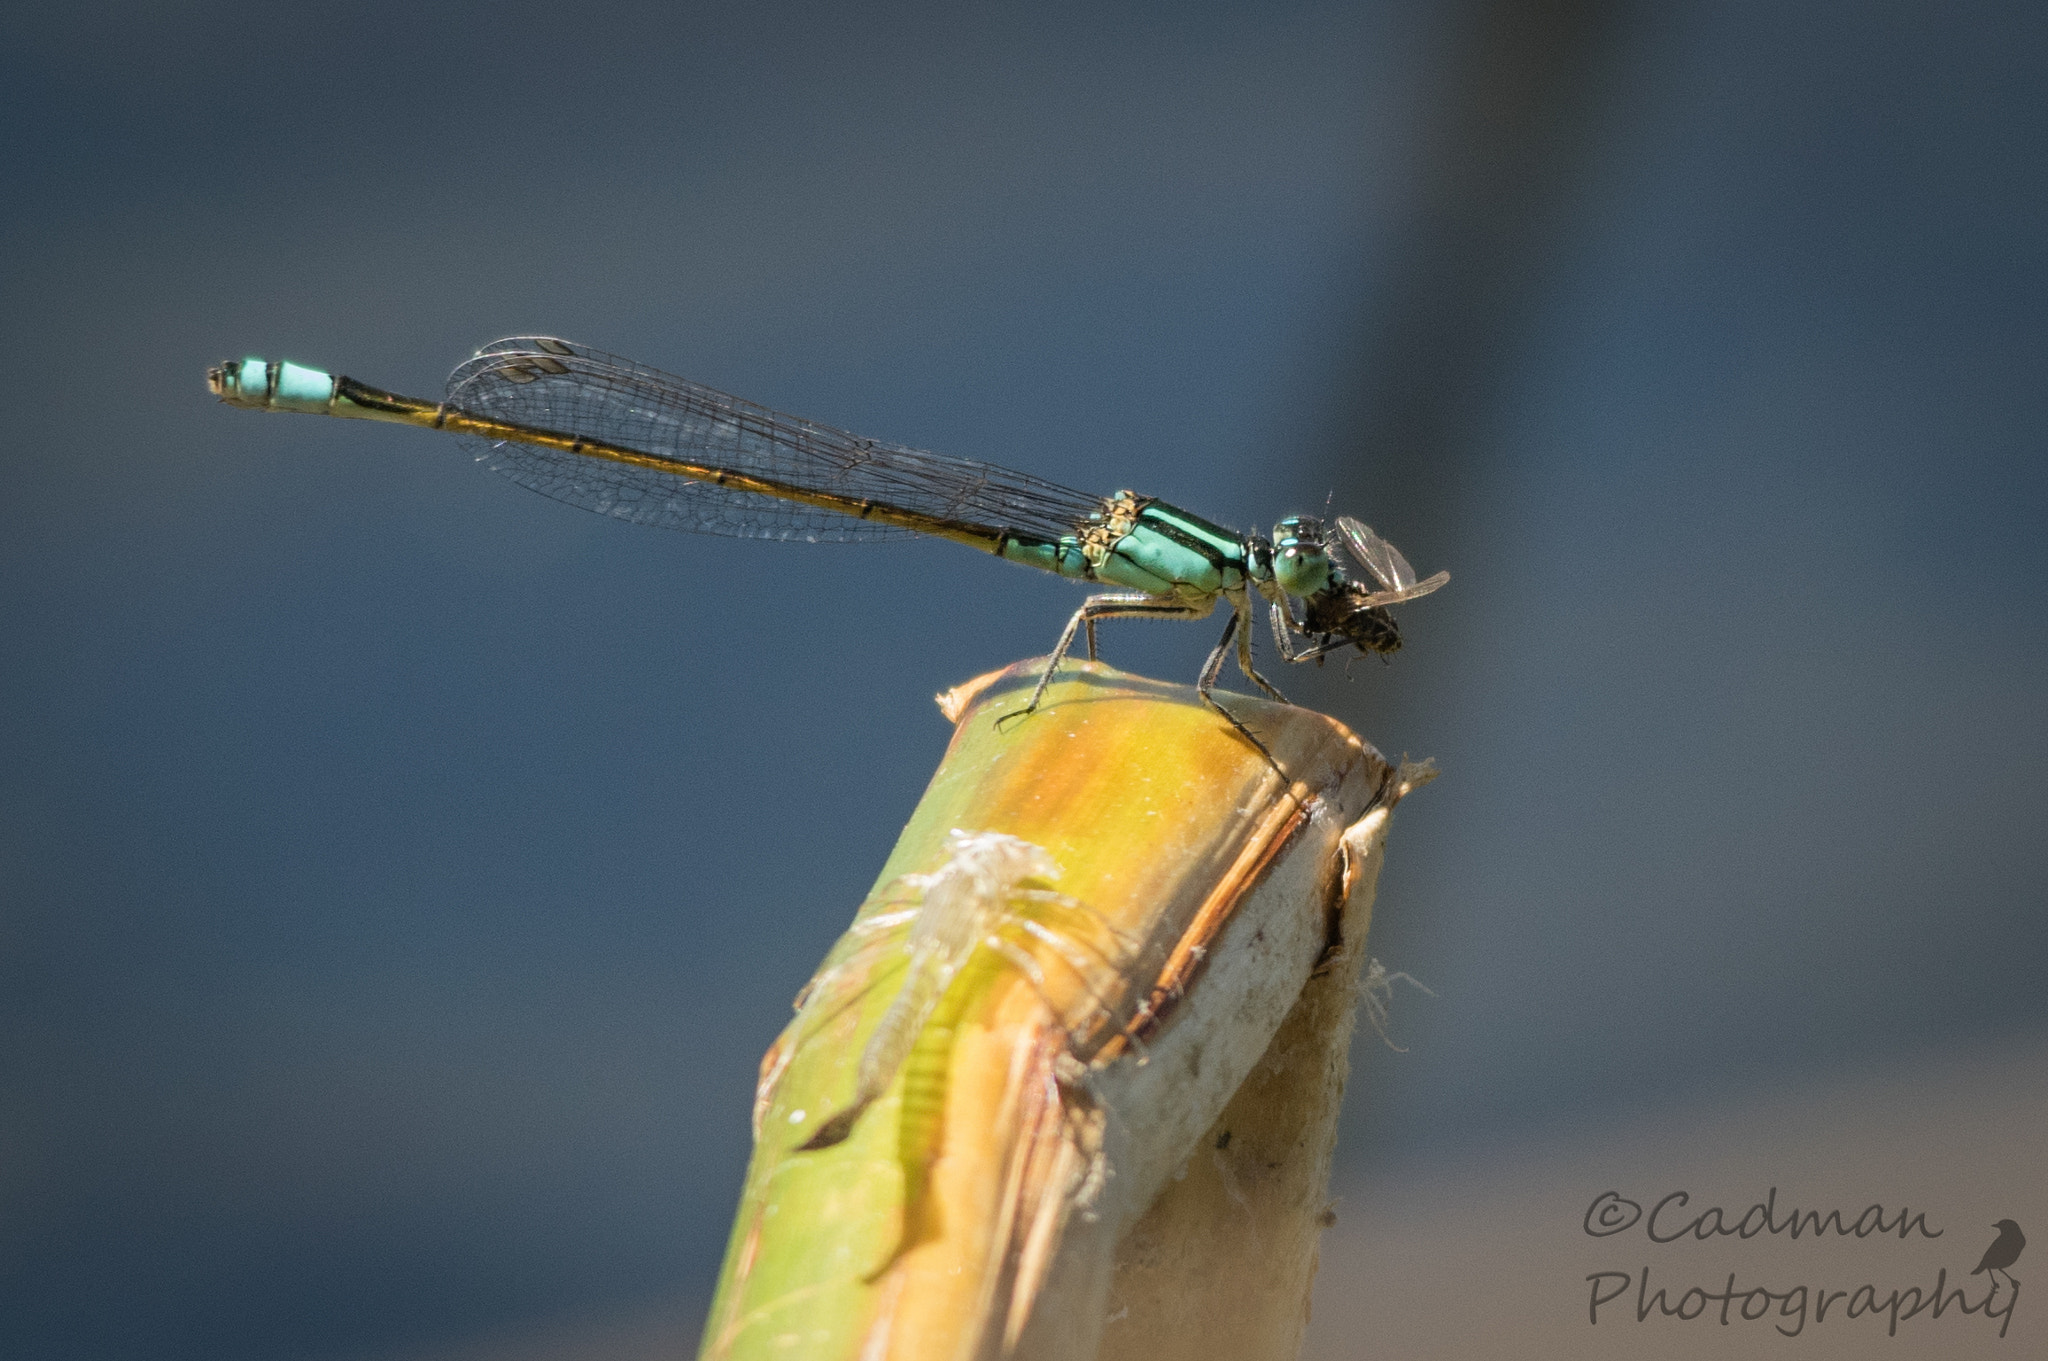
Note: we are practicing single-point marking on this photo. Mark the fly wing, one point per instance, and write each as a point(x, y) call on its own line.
point(1386, 564)
point(1420, 588)
point(571, 389)
point(1384, 560)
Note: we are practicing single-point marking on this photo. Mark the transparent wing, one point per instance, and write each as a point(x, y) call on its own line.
point(1380, 598)
point(552, 384)
point(1386, 564)
point(1382, 558)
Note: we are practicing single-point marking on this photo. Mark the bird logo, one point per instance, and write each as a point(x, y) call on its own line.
point(2003, 1252)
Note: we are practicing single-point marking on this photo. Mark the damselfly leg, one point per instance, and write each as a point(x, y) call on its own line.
point(1110, 605)
point(1237, 629)
point(1133, 605)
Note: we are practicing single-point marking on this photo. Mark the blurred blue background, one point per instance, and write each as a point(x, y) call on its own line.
point(400, 873)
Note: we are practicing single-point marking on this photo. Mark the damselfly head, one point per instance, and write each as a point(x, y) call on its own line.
point(1301, 557)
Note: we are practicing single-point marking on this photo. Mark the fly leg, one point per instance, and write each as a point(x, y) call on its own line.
point(1116, 605)
point(1285, 626)
point(1317, 653)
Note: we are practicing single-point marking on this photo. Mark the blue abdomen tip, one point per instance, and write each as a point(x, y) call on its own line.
point(281, 386)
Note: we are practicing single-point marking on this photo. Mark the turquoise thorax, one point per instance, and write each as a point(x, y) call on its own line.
point(1165, 551)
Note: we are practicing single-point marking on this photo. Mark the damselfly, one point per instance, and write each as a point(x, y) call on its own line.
point(625, 440)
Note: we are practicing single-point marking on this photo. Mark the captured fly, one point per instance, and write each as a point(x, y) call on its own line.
point(1341, 612)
